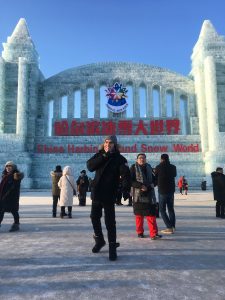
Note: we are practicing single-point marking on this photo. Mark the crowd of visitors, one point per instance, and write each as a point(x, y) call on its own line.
point(113, 181)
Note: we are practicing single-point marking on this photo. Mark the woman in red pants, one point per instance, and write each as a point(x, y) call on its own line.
point(144, 200)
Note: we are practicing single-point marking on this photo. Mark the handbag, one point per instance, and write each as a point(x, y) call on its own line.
point(74, 191)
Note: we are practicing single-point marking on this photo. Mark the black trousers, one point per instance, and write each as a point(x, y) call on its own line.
point(119, 198)
point(220, 209)
point(14, 213)
point(110, 220)
point(82, 198)
point(54, 204)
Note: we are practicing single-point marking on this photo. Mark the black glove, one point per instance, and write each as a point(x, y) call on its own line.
point(107, 155)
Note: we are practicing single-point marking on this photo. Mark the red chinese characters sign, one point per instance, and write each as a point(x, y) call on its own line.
point(120, 127)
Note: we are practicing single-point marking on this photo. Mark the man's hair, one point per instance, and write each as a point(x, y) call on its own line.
point(139, 154)
point(58, 169)
point(165, 157)
point(219, 169)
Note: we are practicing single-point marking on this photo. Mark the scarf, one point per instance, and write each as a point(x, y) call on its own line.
point(149, 195)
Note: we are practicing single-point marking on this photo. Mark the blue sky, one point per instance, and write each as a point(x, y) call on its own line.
point(69, 33)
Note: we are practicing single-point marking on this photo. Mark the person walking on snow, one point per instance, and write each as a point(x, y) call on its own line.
point(180, 184)
point(218, 181)
point(144, 200)
point(185, 185)
point(67, 186)
point(109, 166)
point(10, 193)
point(165, 175)
point(55, 175)
point(82, 187)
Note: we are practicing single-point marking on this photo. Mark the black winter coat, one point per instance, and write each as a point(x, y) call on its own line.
point(140, 208)
point(109, 168)
point(82, 184)
point(218, 181)
point(165, 176)
point(10, 191)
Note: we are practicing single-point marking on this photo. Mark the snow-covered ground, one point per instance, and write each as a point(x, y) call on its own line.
point(51, 258)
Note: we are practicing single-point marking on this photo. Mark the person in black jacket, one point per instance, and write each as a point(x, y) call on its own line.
point(82, 187)
point(109, 166)
point(165, 175)
point(10, 193)
point(218, 181)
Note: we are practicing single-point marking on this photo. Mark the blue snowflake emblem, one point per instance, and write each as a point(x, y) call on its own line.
point(116, 98)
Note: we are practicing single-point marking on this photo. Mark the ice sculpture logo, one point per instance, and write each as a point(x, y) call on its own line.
point(116, 98)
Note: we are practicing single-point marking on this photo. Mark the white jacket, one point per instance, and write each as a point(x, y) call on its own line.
point(66, 187)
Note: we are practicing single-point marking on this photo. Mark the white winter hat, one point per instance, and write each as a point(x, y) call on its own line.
point(10, 163)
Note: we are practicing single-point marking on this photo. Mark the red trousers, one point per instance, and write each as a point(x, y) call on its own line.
point(152, 225)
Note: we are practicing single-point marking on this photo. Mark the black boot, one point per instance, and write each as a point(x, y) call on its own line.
point(218, 210)
point(222, 211)
point(112, 251)
point(14, 227)
point(63, 213)
point(70, 212)
point(99, 243)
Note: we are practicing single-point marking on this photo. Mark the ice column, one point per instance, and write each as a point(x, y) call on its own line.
point(2, 94)
point(22, 98)
point(211, 103)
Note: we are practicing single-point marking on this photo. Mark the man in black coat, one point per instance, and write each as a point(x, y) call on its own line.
point(165, 175)
point(218, 181)
point(82, 187)
point(109, 166)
